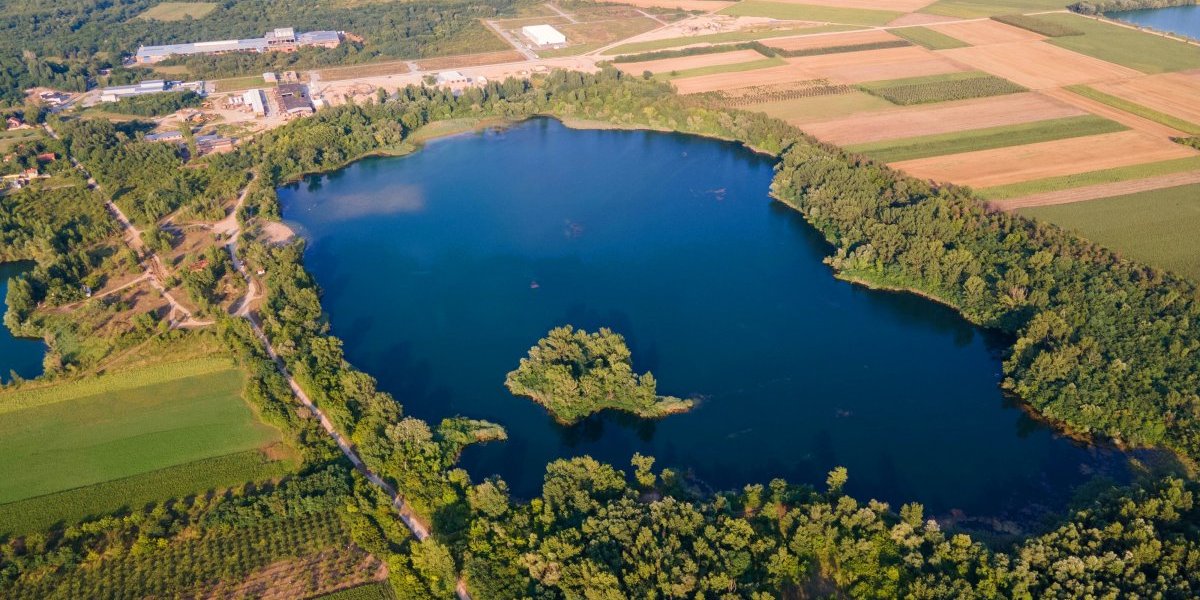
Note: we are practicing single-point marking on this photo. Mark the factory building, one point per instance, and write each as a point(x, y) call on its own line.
point(280, 39)
point(153, 86)
point(543, 35)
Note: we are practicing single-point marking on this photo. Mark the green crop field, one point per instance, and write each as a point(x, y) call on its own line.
point(1137, 109)
point(933, 40)
point(721, 38)
point(1156, 227)
point(986, 139)
point(235, 84)
point(805, 12)
point(733, 68)
point(986, 8)
point(177, 11)
point(1138, 50)
point(371, 591)
point(105, 428)
point(940, 88)
point(1038, 25)
point(822, 107)
point(1065, 182)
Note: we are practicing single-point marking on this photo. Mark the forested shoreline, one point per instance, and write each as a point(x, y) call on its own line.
point(1103, 345)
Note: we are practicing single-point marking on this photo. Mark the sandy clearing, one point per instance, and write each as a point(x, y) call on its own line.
point(666, 65)
point(983, 33)
point(1175, 94)
point(889, 5)
point(848, 38)
point(1038, 65)
point(876, 65)
point(1095, 192)
point(1001, 166)
point(704, 5)
point(740, 79)
point(913, 121)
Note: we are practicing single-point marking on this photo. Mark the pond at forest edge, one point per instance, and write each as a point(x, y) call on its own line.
point(442, 268)
point(1181, 20)
point(20, 355)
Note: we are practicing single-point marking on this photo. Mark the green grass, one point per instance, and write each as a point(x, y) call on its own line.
point(1053, 184)
point(1038, 25)
point(102, 429)
point(822, 107)
point(370, 591)
point(933, 40)
point(805, 12)
point(10, 139)
point(1157, 227)
point(1138, 50)
point(987, 8)
point(198, 477)
point(720, 38)
point(986, 139)
point(177, 11)
point(732, 68)
point(1137, 109)
point(940, 88)
point(234, 84)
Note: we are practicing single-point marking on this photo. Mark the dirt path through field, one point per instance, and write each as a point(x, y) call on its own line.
point(1095, 192)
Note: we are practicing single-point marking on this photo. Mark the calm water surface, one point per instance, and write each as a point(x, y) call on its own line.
point(1183, 20)
point(22, 356)
point(441, 269)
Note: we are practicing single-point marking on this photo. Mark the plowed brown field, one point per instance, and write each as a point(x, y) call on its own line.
point(876, 65)
point(983, 33)
point(1001, 166)
point(704, 5)
point(740, 79)
point(1176, 94)
point(1038, 65)
point(892, 5)
point(666, 65)
point(1094, 192)
point(947, 117)
point(826, 40)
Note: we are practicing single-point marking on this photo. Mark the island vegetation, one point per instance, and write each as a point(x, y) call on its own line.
point(1103, 346)
point(575, 374)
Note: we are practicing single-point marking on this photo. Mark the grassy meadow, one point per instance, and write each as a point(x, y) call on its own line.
point(1144, 52)
point(731, 68)
point(806, 12)
point(119, 425)
point(985, 8)
point(177, 11)
point(721, 38)
point(986, 139)
point(1157, 227)
point(933, 40)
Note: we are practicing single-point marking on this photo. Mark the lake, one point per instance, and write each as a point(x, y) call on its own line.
point(1182, 20)
point(441, 269)
point(19, 355)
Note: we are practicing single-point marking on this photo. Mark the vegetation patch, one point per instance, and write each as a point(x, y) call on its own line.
point(1114, 175)
point(1137, 109)
point(153, 105)
point(371, 591)
point(1124, 46)
point(177, 11)
point(733, 68)
point(1157, 227)
point(235, 84)
point(842, 49)
point(1038, 25)
point(695, 51)
point(940, 88)
point(928, 38)
point(985, 8)
point(726, 37)
point(108, 435)
point(574, 374)
point(807, 12)
point(821, 107)
point(986, 139)
point(813, 88)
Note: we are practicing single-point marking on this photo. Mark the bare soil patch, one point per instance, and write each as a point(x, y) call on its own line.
point(876, 65)
point(1002, 166)
point(984, 33)
point(704, 5)
point(274, 232)
point(666, 65)
point(1038, 65)
point(1095, 192)
point(1175, 94)
point(933, 119)
point(847, 38)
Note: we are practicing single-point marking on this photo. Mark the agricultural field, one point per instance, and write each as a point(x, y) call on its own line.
point(697, 5)
point(236, 84)
point(1039, 65)
point(1136, 50)
point(724, 37)
point(876, 65)
point(761, 63)
point(808, 12)
point(940, 88)
point(1145, 112)
point(9, 139)
point(685, 63)
point(81, 433)
point(985, 33)
point(801, 110)
point(986, 139)
point(371, 591)
point(1038, 25)
point(177, 11)
point(854, 38)
point(1097, 177)
point(929, 38)
point(969, 9)
point(1158, 227)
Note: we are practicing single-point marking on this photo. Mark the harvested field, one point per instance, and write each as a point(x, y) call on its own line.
point(869, 36)
point(1038, 65)
point(876, 65)
point(722, 38)
point(701, 5)
point(928, 38)
point(744, 79)
point(809, 12)
point(1170, 122)
point(987, 8)
point(1176, 94)
point(981, 113)
point(1100, 190)
point(802, 110)
point(888, 5)
point(470, 60)
point(1048, 159)
point(761, 63)
point(984, 33)
point(919, 19)
point(684, 63)
point(395, 67)
point(1087, 178)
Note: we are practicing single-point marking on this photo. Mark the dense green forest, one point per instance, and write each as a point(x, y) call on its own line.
point(574, 374)
point(1103, 346)
point(153, 105)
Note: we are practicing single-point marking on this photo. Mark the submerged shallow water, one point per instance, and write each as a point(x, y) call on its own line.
point(442, 268)
point(17, 355)
point(1182, 20)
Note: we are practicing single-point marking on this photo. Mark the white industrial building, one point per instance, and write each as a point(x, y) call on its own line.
point(257, 101)
point(543, 35)
point(154, 86)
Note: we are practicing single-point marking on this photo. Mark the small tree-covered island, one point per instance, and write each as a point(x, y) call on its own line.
point(575, 374)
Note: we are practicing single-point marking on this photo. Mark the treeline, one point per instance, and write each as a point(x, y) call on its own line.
point(153, 105)
point(1103, 6)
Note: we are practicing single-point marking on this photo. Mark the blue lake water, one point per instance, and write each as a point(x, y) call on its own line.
point(19, 355)
point(442, 268)
point(1183, 20)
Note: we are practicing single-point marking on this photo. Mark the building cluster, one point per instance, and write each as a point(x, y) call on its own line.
point(17, 181)
point(205, 144)
point(13, 122)
point(281, 39)
point(544, 36)
point(285, 99)
point(153, 86)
